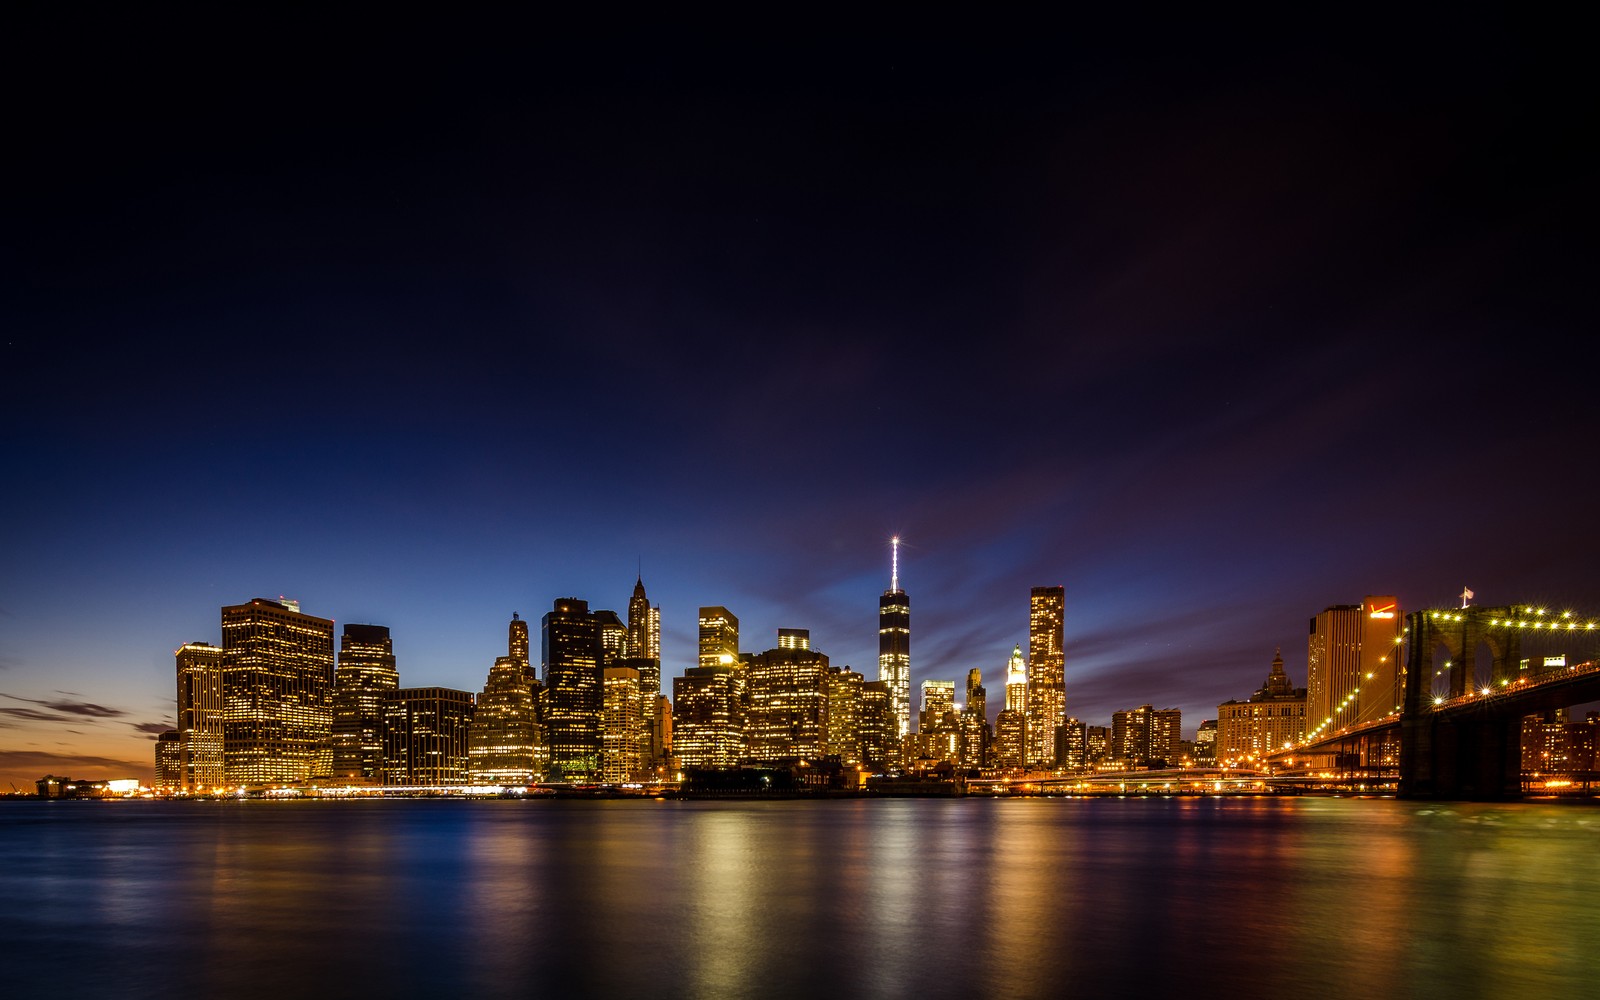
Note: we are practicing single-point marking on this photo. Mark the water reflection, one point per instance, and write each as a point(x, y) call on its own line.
point(906, 898)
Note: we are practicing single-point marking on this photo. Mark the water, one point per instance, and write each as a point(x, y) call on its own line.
point(1172, 898)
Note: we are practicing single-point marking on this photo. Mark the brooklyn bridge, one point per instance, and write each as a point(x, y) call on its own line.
point(1472, 675)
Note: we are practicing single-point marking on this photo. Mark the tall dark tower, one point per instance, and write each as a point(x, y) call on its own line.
point(572, 656)
point(894, 645)
point(366, 674)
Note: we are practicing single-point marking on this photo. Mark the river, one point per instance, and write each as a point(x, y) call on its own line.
point(1151, 897)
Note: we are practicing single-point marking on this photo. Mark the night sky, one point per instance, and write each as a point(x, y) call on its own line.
point(1213, 324)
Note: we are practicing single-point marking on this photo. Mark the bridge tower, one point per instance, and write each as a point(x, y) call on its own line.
point(1458, 757)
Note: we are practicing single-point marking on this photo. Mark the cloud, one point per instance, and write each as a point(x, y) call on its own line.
point(151, 727)
point(34, 715)
point(85, 708)
point(44, 762)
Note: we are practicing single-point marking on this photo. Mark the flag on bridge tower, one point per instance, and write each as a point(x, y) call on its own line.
point(1466, 595)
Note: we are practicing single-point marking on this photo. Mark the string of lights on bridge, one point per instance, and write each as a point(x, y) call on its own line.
point(1520, 617)
point(1525, 617)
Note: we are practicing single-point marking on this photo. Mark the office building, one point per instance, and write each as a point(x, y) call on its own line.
point(719, 638)
point(200, 760)
point(366, 674)
point(975, 734)
point(1047, 693)
point(1146, 736)
point(878, 728)
point(644, 655)
point(708, 718)
point(844, 715)
point(939, 724)
point(1011, 725)
point(1353, 674)
point(644, 625)
point(1272, 718)
point(788, 700)
point(167, 750)
point(426, 734)
point(894, 644)
point(664, 760)
point(623, 736)
point(571, 657)
point(506, 743)
point(1205, 742)
point(1072, 745)
point(277, 694)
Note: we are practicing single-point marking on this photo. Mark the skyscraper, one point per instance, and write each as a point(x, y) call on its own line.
point(366, 673)
point(167, 750)
point(425, 736)
point(644, 625)
point(277, 693)
point(894, 644)
point(788, 694)
point(200, 761)
point(1146, 735)
point(1011, 725)
point(938, 725)
point(572, 657)
point(505, 743)
point(844, 715)
point(975, 722)
point(707, 718)
point(622, 737)
point(1352, 673)
point(719, 637)
point(644, 655)
point(1273, 717)
point(1047, 697)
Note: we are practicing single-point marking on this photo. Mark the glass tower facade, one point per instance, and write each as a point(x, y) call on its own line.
point(365, 675)
point(277, 694)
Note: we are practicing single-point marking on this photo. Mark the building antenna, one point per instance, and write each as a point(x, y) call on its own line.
point(894, 565)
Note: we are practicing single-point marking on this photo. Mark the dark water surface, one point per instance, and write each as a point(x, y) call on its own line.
point(1170, 898)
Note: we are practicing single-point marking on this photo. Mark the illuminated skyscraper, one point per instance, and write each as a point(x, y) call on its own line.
point(572, 657)
point(425, 736)
point(622, 735)
point(167, 749)
point(277, 693)
point(661, 752)
point(1146, 735)
point(938, 725)
point(876, 724)
point(719, 637)
point(366, 674)
point(844, 715)
point(644, 625)
point(1352, 669)
point(505, 745)
point(1011, 725)
point(975, 722)
point(788, 693)
point(644, 654)
point(894, 644)
point(1047, 695)
point(1273, 717)
point(707, 718)
point(200, 762)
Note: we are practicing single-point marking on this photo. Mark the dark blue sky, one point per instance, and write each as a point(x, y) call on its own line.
point(1213, 324)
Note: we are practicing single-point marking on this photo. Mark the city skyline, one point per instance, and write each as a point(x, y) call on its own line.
point(424, 328)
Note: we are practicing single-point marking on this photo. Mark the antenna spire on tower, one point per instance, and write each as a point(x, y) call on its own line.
point(894, 564)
